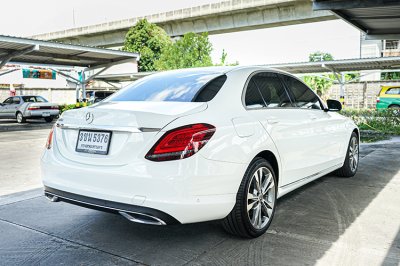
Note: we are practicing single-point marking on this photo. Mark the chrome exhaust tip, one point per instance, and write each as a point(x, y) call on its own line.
point(52, 198)
point(142, 218)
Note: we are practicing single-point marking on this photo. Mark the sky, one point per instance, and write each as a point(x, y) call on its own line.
point(265, 46)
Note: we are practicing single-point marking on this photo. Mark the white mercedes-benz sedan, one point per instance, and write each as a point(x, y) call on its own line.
point(195, 145)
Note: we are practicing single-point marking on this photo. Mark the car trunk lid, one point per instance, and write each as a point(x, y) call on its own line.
point(133, 125)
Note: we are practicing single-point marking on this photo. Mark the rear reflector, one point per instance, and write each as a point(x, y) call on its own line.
point(49, 141)
point(181, 142)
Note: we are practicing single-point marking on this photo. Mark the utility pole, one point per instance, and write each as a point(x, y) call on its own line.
point(73, 17)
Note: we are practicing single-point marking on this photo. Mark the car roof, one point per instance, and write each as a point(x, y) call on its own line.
point(220, 69)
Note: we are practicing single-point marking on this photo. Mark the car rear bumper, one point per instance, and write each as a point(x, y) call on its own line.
point(43, 113)
point(189, 190)
point(137, 214)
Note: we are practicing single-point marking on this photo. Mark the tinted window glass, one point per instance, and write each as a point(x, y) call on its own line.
point(208, 92)
point(168, 86)
point(393, 91)
point(8, 100)
point(34, 99)
point(303, 96)
point(266, 90)
point(16, 100)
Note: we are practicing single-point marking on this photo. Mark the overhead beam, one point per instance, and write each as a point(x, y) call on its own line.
point(382, 36)
point(346, 4)
point(7, 58)
point(8, 71)
point(216, 18)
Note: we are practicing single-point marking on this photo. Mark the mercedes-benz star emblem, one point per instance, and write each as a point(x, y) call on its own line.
point(89, 117)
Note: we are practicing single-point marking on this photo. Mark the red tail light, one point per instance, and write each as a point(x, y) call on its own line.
point(181, 142)
point(30, 108)
point(49, 141)
point(378, 100)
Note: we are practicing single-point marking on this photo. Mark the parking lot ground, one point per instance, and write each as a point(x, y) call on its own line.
point(331, 221)
point(20, 153)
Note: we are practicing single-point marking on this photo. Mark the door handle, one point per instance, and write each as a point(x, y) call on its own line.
point(273, 121)
point(313, 117)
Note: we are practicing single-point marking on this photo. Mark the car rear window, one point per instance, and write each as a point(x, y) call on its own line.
point(393, 91)
point(34, 99)
point(187, 86)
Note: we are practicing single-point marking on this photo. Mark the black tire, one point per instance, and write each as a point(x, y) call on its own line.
point(20, 118)
point(48, 119)
point(348, 170)
point(238, 221)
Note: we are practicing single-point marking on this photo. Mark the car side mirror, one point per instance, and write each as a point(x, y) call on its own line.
point(333, 105)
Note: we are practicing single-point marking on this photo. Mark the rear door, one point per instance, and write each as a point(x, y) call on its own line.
point(268, 101)
point(323, 136)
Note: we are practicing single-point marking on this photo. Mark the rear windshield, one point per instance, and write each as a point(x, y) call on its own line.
point(34, 99)
point(185, 86)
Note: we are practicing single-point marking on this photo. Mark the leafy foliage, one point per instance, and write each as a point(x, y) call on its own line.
point(223, 61)
point(320, 56)
point(320, 84)
point(148, 40)
point(192, 50)
point(383, 120)
point(390, 76)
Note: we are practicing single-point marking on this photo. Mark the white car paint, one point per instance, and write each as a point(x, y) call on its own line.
point(307, 144)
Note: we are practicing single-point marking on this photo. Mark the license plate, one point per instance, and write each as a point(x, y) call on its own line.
point(94, 142)
point(45, 114)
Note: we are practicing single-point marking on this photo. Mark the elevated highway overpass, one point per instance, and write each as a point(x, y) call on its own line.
point(215, 18)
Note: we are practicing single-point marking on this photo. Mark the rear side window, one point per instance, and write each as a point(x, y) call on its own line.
point(186, 86)
point(208, 92)
point(34, 99)
point(303, 96)
point(393, 91)
point(16, 100)
point(265, 89)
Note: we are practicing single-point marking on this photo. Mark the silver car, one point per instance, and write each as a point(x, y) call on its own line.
point(28, 106)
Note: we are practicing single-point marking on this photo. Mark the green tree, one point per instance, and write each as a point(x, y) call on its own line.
point(223, 61)
point(149, 41)
point(390, 76)
point(320, 84)
point(320, 56)
point(192, 50)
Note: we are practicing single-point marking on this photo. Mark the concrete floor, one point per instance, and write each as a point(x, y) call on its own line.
point(332, 221)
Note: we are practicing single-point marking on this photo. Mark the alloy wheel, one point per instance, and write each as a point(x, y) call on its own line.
point(261, 198)
point(353, 154)
point(19, 118)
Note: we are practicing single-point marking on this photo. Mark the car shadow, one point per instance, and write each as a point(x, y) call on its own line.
point(30, 124)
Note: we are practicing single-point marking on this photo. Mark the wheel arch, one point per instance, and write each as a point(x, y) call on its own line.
point(273, 160)
point(393, 105)
point(357, 131)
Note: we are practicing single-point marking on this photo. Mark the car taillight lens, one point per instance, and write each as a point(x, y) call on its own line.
point(181, 142)
point(49, 141)
point(378, 100)
point(33, 108)
point(54, 107)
